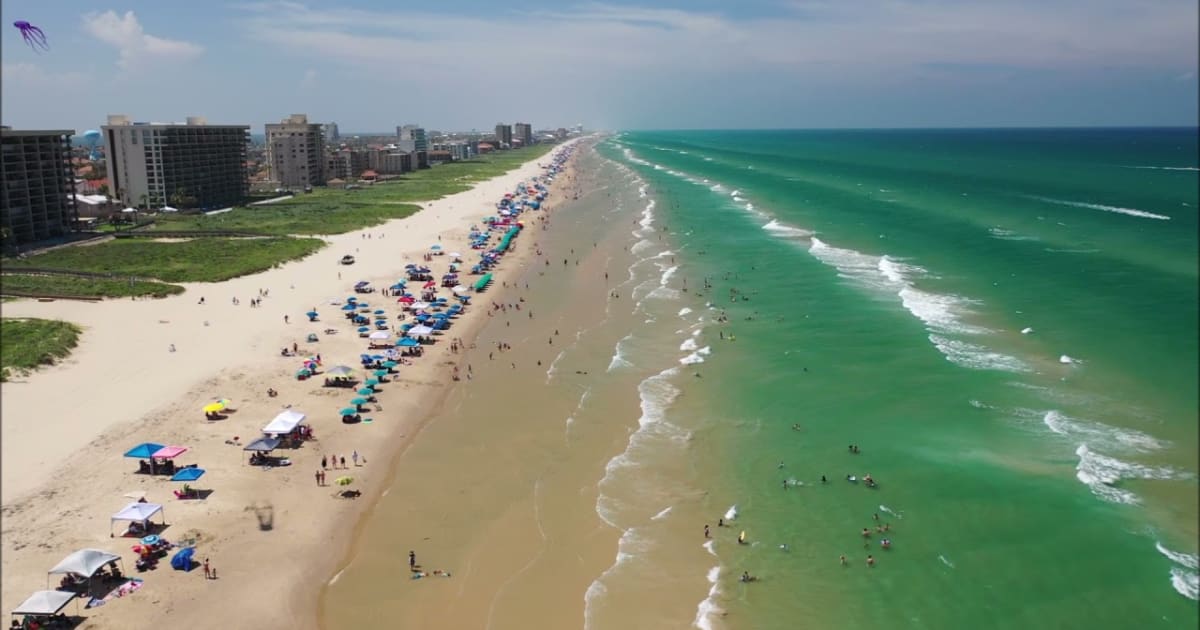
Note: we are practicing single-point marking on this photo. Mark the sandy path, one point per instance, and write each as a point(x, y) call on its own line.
point(66, 427)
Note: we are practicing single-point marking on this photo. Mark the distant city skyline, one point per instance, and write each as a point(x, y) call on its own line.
point(660, 64)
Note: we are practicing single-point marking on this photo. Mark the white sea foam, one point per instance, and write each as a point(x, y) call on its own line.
point(707, 610)
point(666, 276)
point(1101, 473)
point(1066, 360)
point(1133, 212)
point(976, 357)
point(945, 561)
point(785, 231)
point(1186, 583)
point(1100, 434)
point(1167, 168)
point(884, 508)
point(697, 356)
point(731, 513)
point(1026, 331)
point(688, 345)
point(664, 293)
point(1009, 235)
point(684, 311)
point(1189, 560)
point(662, 514)
point(618, 358)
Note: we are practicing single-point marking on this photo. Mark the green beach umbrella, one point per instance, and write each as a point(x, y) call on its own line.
point(371, 382)
point(359, 401)
point(390, 364)
point(349, 411)
point(380, 372)
point(344, 481)
point(366, 391)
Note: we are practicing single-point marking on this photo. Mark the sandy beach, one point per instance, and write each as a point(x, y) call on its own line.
point(66, 427)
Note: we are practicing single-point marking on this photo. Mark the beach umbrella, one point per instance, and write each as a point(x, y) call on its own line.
point(390, 364)
point(371, 382)
point(366, 391)
point(380, 372)
point(303, 373)
point(188, 474)
point(344, 481)
point(359, 401)
point(340, 370)
point(435, 247)
point(379, 311)
point(408, 342)
point(379, 334)
point(364, 328)
point(311, 313)
point(213, 407)
point(348, 307)
point(348, 411)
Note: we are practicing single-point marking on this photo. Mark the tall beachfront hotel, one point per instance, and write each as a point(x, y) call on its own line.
point(296, 152)
point(193, 164)
point(38, 201)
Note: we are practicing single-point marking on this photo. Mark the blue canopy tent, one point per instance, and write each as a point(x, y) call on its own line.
point(143, 451)
point(408, 342)
point(188, 474)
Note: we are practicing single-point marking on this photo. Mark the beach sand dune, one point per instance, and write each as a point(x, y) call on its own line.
point(266, 531)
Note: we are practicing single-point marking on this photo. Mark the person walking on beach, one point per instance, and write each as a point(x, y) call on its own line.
point(706, 534)
point(207, 570)
point(354, 457)
point(324, 463)
point(343, 462)
point(412, 560)
point(317, 476)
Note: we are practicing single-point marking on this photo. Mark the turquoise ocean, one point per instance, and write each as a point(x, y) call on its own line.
point(1003, 321)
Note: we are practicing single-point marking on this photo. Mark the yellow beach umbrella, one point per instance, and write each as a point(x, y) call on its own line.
point(214, 407)
point(344, 481)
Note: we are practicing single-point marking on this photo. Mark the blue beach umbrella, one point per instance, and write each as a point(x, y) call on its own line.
point(380, 372)
point(348, 411)
point(348, 307)
point(408, 342)
point(143, 451)
point(371, 382)
point(311, 313)
point(379, 311)
point(366, 391)
point(359, 401)
point(364, 329)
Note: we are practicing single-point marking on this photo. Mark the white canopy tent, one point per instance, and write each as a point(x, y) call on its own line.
point(285, 422)
point(137, 512)
point(379, 335)
point(85, 562)
point(461, 290)
point(130, 210)
point(417, 331)
point(45, 603)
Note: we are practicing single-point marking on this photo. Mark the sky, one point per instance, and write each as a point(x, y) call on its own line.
point(651, 64)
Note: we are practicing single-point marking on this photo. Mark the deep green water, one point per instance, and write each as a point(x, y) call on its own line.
point(889, 275)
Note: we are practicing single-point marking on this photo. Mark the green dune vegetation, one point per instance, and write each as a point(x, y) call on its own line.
point(191, 260)
point(31, 343)
point(17, 283)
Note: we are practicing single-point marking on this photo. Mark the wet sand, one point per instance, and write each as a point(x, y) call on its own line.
point(500, 488)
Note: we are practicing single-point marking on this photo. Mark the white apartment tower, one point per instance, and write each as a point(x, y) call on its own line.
point(296, 152)
point(192, 164)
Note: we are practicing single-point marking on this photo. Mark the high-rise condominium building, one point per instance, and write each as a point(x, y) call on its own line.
point(504, 135)
point(296, 152)
point(524, 133)
point(411, 139)
point(330, 131)
point(37, 202)
point(192, 164)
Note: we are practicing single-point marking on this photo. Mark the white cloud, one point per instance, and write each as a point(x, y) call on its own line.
point(24, 74)
point(134, 45)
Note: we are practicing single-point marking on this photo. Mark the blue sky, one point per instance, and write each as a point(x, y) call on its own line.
point(463, 64)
